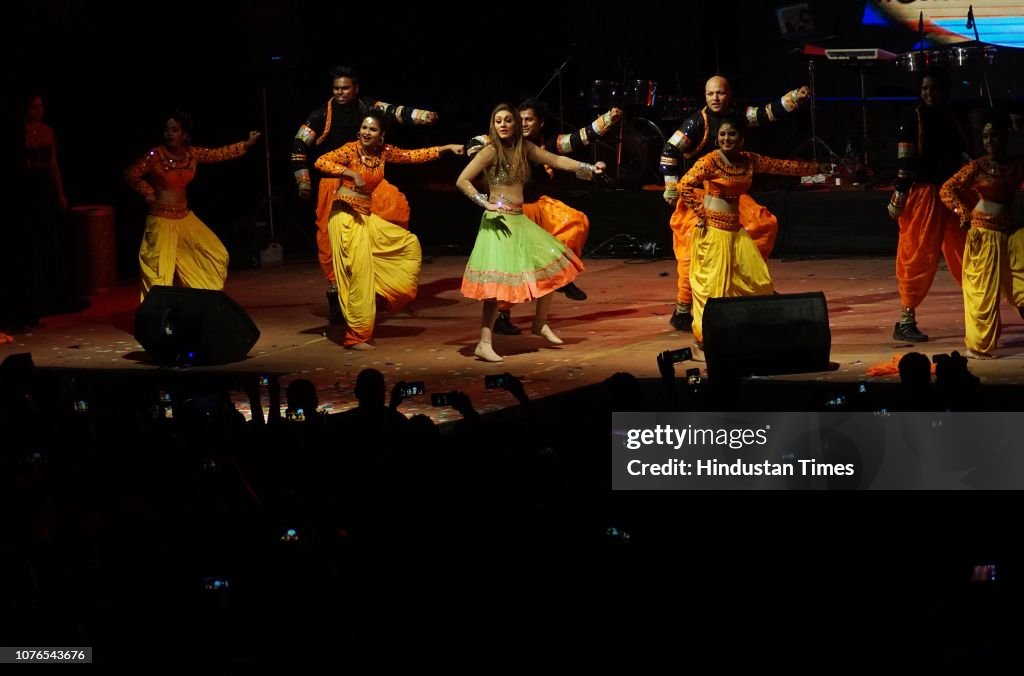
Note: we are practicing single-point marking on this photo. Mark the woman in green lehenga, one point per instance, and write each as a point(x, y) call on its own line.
point(514, 259)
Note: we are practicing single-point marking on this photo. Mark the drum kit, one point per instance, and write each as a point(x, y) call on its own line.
point(632, 149)
point(607, 93)
point(951, 57)
point(964, 55)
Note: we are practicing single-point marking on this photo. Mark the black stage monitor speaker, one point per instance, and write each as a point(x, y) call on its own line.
point(193, 326)
point(764, 335)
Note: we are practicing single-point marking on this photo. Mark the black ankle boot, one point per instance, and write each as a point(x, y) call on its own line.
point(681, 321)
point(907, 331)
point(505, 327)
point(572, 292)
point(334, 314)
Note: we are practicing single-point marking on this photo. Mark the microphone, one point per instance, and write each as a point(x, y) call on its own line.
point(970, 16)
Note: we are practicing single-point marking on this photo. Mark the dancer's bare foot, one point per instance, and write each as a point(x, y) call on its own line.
point(971, 354)
point(547, 334)
point(486, 352)
point(360, 347)
point(697, 352)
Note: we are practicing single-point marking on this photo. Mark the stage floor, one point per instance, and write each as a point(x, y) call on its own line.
point(621, 327)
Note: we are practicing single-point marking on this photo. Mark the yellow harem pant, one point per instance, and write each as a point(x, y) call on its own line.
point(386, 201)
point(184, 248)
point(725, 264)
point(569, 226)
point(760, 224)
point(926, 228)
point(993, 263)
point(371, 258)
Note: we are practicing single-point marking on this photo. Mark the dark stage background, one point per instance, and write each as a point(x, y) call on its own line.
point(108, 77)
point(499, 548)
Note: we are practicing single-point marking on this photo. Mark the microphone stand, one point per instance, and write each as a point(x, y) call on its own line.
point(971, 23)
point(561, 110)
point(270, 202)
point(920, 35)
point(815, 140)
point(561, 104)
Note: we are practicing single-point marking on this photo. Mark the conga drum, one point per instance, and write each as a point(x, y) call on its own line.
point(93, 253)
point(973, 55)
point(916, 62)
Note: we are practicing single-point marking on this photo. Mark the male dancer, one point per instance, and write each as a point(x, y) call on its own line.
point(930, 150)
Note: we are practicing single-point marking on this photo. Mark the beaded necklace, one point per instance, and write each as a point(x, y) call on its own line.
point(368, 161)
point(721, 163)
point(992, 169)
point(172, 164)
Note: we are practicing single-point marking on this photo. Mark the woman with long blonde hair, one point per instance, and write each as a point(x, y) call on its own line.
point(514, 259)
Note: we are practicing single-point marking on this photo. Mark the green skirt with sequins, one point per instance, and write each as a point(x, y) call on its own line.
point(515, 260)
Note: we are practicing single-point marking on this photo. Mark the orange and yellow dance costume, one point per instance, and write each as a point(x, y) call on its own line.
point(929, 151)
point(176, 245)
point(993, 257)
point(326, 129)
point(725, 260)
point(695, 138)
point(370, 256)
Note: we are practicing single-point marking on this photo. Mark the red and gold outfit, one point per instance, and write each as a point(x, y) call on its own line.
point(370, 256)
point(993, 258)
point(725, 258)
point(695, 138)
point(40, 147)
point(46, 279)
point(176, 244)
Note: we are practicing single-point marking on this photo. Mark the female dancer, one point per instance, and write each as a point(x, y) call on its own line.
point(725, 261)
point(372, 257)
point(514, 259)
point(993, 255)
point(49, 285)
point(176, 244)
